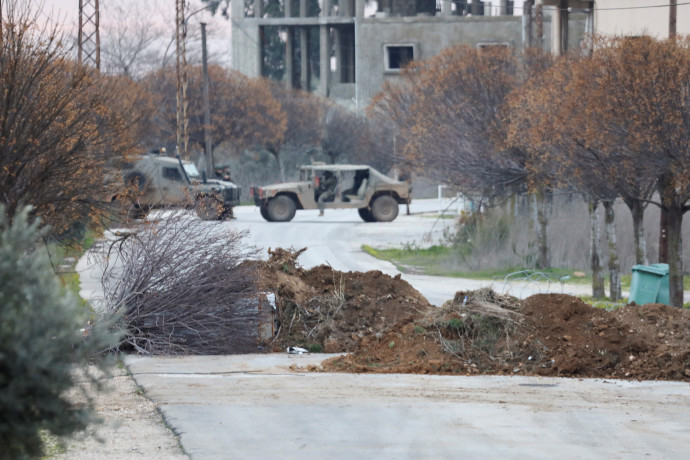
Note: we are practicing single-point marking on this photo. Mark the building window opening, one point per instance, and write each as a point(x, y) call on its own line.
point(398, 56)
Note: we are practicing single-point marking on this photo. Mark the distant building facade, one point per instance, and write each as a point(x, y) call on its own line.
point(346, 49)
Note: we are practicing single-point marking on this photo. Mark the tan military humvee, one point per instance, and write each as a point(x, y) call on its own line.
point(375, 195)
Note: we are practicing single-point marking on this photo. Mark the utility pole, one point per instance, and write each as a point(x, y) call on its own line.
point(663, 218)
point(672, 15)
point(89, 37)
point(208, 148)
point(181, 67)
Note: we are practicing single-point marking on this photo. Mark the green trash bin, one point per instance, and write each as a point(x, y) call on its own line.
point(649, 284)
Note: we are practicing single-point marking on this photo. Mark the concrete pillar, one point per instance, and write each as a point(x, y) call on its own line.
point(527, 25)
point(289, 48)
point(246, 43)
point(556, 32)
point(237, 10)
point(338, 45)
point(359, 8)
point(324, 60)
point(327, 7)
point(304, 79)
point(539, 24)
point(503, 8)
point(303, 8)
point(258, 8)
point(476, 8)
point(289, 65)
point(446, 8)
point(347, 7)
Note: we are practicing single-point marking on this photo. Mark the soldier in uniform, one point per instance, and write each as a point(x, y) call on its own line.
point(326, 191)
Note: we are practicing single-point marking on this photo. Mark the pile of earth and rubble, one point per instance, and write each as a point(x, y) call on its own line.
point(382, 324)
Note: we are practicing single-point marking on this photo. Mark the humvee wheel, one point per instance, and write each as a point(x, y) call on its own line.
point(264, 212)
point(384, 208)
point(366, 215)
point(209, 208)
point(227, 213)
point(281, 209)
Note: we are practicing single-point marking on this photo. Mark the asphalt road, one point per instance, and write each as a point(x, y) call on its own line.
point(337, 238)
point(268, 407)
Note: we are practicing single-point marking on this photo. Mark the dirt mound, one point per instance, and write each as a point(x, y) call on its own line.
point(387, 326)
point(322, 309)
point(547, 334)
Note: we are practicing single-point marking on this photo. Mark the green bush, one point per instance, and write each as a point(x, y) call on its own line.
point(315, 348)
point(44, 340)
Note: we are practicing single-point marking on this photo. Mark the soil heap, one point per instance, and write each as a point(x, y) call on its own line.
point(385, 325)
point(322, 309)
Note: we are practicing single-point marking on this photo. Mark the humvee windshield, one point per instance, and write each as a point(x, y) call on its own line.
point(192, 172)
point(305, 175)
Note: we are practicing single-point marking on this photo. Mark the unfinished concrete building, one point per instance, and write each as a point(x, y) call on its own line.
point(346, 49)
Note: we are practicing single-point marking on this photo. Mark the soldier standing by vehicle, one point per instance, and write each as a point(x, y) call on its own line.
point(326, 191)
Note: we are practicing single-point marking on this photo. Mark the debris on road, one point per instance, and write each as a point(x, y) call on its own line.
point(322, 309)
point(387, 326)
point(182, 286)
point(546, 334)
point(296, 350)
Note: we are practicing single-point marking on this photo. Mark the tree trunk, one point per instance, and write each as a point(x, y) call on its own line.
point(594, 259)
point(675, 253)
point(614, 262)
point(674, 205)
point(280, 165)
point(637, 208)
point(542, 237)
point(663, 236)
point(664, 186)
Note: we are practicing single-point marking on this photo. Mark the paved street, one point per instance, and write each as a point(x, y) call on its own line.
point(268, 407)
point(337, 239)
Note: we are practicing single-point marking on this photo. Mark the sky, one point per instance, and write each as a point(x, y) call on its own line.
point(157, 16)
point(69, 9)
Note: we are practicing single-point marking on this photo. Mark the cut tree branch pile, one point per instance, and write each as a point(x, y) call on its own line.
point(182, 286)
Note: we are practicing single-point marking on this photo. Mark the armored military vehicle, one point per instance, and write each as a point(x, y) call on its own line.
point(375, 195)
point(161, 181)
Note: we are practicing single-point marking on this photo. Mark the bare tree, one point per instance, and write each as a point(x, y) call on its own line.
point(61, 125)
point(341, 134)
point(303, 112)
point(243, 111)
point(181, 285)
point(450, 111)
point(617, 123)
point(132, 38)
